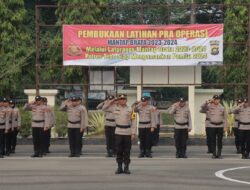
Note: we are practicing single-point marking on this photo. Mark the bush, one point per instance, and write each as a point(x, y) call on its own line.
point(97, 121)
point(61, 122)
point(25, 130)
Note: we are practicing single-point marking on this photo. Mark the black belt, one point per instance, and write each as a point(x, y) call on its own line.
point(2, 123)
point(38, 121)
point(181, 123)
point(74, 122)
point(112, 120)
point(144, 122)
point(123, 126)
point(216, 123)
point(244, 123)
point(10, 122)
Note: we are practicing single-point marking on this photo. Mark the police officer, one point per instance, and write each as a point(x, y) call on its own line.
point(146, 127)
point(208, 130)
point(217, 122)
point(108, 107)
point(156, 133)
point(52, 122)
point(16, 124)
point(243, 111)
point(77, 122)
point(182, 126)
point(125, 132)
point(8, 134)
point(40, 123)
point(236, 127)
point(4, 126)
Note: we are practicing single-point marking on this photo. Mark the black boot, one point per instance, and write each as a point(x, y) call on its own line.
point(141, 155)
point(218, 154)
point(247, 155)
point(126, 169)
point(109, 153)
point(238, 150)
point(119, 169)
point(214, 156)
point(148, 154)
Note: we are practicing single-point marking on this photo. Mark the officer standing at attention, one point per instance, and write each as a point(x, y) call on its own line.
point(217, 122)
point(16, 124)
point(4, 126)
point(109, 107)
point(236, 127)
point(8, 134)
point(77, 122)
point(124, 133)
point(52, 122)
point(40, 123)
point(147, 125)
point(208, 130)
point(243, 111)
point(182, 126)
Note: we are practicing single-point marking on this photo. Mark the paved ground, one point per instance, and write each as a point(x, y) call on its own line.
point(93, 171)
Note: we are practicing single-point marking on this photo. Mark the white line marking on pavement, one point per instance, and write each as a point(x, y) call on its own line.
point(220, 174)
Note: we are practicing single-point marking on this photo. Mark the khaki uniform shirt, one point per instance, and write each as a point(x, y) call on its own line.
point(146, 116)
point(77, 115)
point(182, 116)
point(207, 116)
point(244, 117)
point(217, 115)
point(40, 118)
point(4, 118)
point(123, 118)
point(16, 118)
point(109, 108)
point(52, 117)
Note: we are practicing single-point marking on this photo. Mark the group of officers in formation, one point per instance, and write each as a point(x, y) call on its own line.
point(121, 126)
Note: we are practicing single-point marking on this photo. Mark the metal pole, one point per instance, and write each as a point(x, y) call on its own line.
point(37, 50)
point(248, 66)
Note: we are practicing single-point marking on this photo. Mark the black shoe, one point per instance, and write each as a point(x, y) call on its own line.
point(71, 155)
point(12, 151)
point(119, 169)
point(48, 152)
point(77, 155)
point(148, 154)
point(142, 154)
point(214, 156)
point(7, 154)
point(126, 170)
point(243, 156)
point(34, 156)
point(218, 155)
point(184, 156)
point(1, 156)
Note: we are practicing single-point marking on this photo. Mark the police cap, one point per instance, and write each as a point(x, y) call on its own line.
point(111, 97)
point(122, 96)
point(144, 98)
point(245, 100)
point(216, 97)
point(38, 98)
point(181, 99)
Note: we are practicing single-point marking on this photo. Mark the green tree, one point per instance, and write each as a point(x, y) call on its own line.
point(16, 47)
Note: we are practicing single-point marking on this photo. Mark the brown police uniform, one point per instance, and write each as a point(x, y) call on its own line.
point(182, 124)
point(109, 108)
point(217, 121)
point(40, 120)
point(146, 122)
point(244, 129)
point(16, 124)
point(124, 129)
point(77, 120)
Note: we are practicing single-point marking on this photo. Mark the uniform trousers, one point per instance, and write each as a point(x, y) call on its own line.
point(123, 148)
point(47, 136)
point(208, 131)
point(244, 141)
point(38, 140)
point(8, 136)
point(216, 136)
point(14, 138)
point(181, 137)
point(2, 139)
point(145, 137)
point(74, 135)
point(110, 138)
point(237, 137)
point(155, 136)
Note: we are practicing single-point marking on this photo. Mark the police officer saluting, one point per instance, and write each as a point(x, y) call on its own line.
point(182, 126)
point(16, 124)
point(40, 123)
point(4, 126)
point(236, 126)
point(125, 131)
point(217, 122)
point(243, 111)
point(147, 125)
point(77, 122)
point(108, 106)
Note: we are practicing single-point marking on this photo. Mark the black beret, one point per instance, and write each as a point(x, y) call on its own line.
point(216, 97)
point(245, 100)
point(11, 101)
point(5, 100)
point(38, 98)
